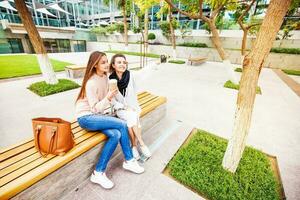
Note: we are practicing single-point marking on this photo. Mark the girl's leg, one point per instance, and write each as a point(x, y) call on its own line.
point(132, 137)
point(113, 138)
point(101, 123)
point(138, 134)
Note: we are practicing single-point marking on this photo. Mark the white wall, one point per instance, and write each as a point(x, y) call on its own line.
point(274, 60)
point(231, 39)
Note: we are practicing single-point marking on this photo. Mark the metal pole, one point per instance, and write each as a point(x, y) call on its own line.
point(74, 14)
point(152, 22)
point(35, 13)
point(67, 15)
point(92, 2)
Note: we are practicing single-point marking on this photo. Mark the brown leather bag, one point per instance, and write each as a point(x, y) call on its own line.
point(52, 136)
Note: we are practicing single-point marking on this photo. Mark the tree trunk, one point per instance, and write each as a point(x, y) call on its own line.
point(146, 21)
point(251, 69)
point(125, 24)
point(173, 40)
point(37, 43)
point(216, 39)
point(244, 42)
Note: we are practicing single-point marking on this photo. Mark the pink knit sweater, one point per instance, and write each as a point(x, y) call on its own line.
point(95, 100)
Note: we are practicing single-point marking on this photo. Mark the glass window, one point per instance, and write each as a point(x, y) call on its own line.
point(16, 45)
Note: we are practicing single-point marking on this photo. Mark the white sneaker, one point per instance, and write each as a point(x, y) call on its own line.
point(145, 151)
point(101, 179)
point(135, 153)
point(133, 166)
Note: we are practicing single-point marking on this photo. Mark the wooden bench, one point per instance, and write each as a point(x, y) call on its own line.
point(196, 60)
point(26, 175)
point(75, 71)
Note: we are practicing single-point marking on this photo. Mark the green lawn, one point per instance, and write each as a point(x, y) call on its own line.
point(238, 69)
point(198, 165)
point(231, 85)
point(177, 61)
point(24, 65)
point(291, 72)
point(43, 89)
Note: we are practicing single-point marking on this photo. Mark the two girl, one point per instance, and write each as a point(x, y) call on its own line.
point(92, 101)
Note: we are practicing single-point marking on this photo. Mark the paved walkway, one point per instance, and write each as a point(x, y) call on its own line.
point(197, 98)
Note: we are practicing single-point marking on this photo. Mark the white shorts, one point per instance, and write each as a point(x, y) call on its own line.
point(131, 117)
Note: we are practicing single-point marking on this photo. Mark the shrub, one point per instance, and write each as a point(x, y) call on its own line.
point(44, 89)
point(286, 50)
point(192, 44)
point(99, 30)
point(151, 36)
point(120, 27)
point(165, 27)
point(111, 28)
point(136, 29)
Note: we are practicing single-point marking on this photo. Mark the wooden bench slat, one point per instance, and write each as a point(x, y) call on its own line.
point(26, 172)
point(22, 163)
point(145, 101)
point(79, 132)
point(17, 173)
point(18, 185)
point(16, 149)
point(151, 107)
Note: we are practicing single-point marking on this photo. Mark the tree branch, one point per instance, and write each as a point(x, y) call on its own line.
point(192, 16)
point(216, 11)
point(246, 11)
point(200, 8)
point(251, 25)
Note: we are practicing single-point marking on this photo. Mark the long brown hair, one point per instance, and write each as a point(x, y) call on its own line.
point(90, 71)
point(113, 60)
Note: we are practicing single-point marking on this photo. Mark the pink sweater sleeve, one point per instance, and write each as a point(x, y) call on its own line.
point(97, 106)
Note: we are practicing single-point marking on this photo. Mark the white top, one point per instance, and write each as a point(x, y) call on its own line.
point(130, 99)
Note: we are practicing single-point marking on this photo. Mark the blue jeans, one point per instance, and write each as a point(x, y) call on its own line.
point(116, 131)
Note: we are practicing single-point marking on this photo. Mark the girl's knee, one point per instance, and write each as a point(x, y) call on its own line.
point(117, 135)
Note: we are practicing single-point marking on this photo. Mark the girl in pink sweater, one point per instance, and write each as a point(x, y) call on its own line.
point(92, 102)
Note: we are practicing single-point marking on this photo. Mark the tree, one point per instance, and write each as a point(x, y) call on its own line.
point(196, 12)
point(37, 43)
point(169, 26)
point(125, 5)
point(252, 65)
point(245, 27)
point(144, 8)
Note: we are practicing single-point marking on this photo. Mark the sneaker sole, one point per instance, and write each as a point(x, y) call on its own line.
point(107, 188)
point(133, 171)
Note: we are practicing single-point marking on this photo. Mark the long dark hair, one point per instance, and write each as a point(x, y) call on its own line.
point(90, 71)
point(113, 60)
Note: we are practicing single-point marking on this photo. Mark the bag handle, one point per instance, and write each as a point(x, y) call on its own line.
point(38, 131)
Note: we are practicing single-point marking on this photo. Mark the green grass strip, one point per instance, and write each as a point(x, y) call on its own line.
point(198, 165)
point(177, 61)
point(193, 44)
point(238, 69)
point(291, 72)
point(286, 50)
point(43, 89)
point(151, 55)
point(234, 86)
point(24, 65)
